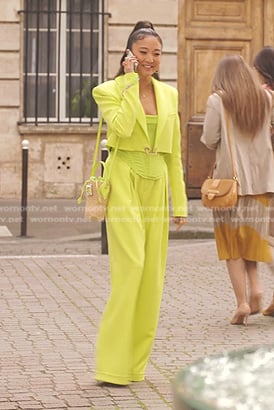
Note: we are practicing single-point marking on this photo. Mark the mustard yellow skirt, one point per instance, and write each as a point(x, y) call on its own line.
point(243, 231)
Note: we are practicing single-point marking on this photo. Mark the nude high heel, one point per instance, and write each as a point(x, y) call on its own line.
point(269, 311)
point(241, 315)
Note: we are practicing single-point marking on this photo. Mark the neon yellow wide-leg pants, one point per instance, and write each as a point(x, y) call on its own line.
point(137, 229)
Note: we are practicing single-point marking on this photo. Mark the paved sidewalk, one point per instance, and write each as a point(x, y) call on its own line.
point(51, 306)
point(54, 285)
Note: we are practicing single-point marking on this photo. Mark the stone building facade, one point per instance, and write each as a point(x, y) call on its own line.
point(59, 155)
point(195, 33)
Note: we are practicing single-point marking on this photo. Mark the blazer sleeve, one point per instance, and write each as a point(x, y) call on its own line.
point(212, 123)
point(176, 174)
point(117, 101)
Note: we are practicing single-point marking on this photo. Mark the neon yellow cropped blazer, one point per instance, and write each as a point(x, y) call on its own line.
point(122, 110)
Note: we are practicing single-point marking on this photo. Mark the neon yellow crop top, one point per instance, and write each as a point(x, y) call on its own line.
point(147, 165)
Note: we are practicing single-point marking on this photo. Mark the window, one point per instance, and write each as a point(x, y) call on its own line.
point(63, 59)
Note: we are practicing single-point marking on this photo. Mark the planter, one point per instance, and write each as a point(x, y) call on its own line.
point(236, 380)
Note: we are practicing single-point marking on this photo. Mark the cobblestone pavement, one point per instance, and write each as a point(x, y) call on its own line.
point(52, 297)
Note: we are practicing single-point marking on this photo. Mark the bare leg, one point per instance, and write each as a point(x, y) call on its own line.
point(253, 277)
point(255, 299)
point(269, 311)
point(237, 272)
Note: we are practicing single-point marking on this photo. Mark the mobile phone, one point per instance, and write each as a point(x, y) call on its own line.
point(130, 54)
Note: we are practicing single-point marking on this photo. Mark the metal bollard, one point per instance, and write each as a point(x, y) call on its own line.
point(24, 193)
point(104, 240)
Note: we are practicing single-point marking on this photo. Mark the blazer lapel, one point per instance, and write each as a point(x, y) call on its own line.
point(140, 115)
point(161, 108)
point(141, 118)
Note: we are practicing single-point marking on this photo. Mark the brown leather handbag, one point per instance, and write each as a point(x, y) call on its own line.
point(221, 193)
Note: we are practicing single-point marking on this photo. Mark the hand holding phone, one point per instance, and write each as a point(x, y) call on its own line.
point(130, 54)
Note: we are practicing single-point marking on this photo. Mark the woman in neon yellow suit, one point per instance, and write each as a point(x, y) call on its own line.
point(142, 119)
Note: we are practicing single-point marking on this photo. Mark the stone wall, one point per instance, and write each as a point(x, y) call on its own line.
point(163, 14)
point(10, 150)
